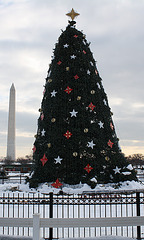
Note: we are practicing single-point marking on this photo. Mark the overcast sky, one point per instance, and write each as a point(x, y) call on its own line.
point(29, 30)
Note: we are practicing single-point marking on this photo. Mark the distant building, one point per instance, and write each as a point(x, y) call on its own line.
point(11, 126)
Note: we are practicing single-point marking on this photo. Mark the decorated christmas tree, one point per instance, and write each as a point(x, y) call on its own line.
point(76, 141)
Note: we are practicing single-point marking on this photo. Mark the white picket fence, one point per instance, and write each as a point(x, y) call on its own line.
point(37, 223)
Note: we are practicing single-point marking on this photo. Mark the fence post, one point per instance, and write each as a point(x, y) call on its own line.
point(51, 215)
point(3, 180)
point(138, 213)
point(36, 226)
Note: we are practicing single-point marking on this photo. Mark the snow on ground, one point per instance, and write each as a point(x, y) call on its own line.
point(13, 174)
point(76, 189)
point(2, 237)
point(101, 238)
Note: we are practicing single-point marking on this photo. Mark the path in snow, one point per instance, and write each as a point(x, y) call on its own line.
point(2, 237)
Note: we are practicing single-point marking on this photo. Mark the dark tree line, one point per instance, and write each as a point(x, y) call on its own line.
point(136, 159)
point(22, 160)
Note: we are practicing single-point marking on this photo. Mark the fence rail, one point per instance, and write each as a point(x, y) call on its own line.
point(99, 205)
point(13, 179)
point(36, 223)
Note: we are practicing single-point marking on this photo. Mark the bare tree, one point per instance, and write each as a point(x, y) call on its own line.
point(25, 160)
point(136, 159)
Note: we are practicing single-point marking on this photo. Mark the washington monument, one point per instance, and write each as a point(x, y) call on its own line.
point(11, 126)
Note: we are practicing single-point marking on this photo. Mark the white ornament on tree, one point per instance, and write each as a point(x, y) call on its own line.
point(53, 93)
point(58, 160)
point(92, 121)
point(101, 124)
point(73, 56)
point(117, 170)
point(43, 132)
point(88, 72)
point(73, 113)
point(66, 45)
point(91, 144)
point(105, 103)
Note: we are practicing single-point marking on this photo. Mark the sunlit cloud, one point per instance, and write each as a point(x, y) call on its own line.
point(138, 105)
point(129, 150)
point(116, 101)
point(24, 134)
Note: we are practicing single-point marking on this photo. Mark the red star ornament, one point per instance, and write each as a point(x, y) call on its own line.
point(110, 144)
point(34, 149)
point(59, 62)
point(76, 77)
point(112, 127)
point(42, 116)
point(88, 168)
point(56, 184)
point(91, 106)
point(75, 36)
point(68, 134)
point(44, 159)
point(68, 90)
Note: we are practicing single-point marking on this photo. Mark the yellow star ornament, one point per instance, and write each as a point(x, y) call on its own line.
point(72, 14)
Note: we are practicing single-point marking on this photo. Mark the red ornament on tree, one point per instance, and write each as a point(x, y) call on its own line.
point(42, 116)
point(110, 144)
point(96, 72)
point(88, 168)
point(56, 184)
point(59, 62)
point(44, 159)
point(111, 125)
point(76, 77)
point(68, 134)
point(34, 149)
point(75, 36)
point(91, 106)
point(68, 90)
point(84, 51)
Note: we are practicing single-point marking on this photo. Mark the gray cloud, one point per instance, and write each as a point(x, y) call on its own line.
point(23, 122)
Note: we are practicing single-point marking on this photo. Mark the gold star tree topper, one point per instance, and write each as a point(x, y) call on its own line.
point(72, 14)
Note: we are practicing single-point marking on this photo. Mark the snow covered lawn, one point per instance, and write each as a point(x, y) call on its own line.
point(76, 189)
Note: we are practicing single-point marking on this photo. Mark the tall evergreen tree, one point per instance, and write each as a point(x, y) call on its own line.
point(76, 139)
